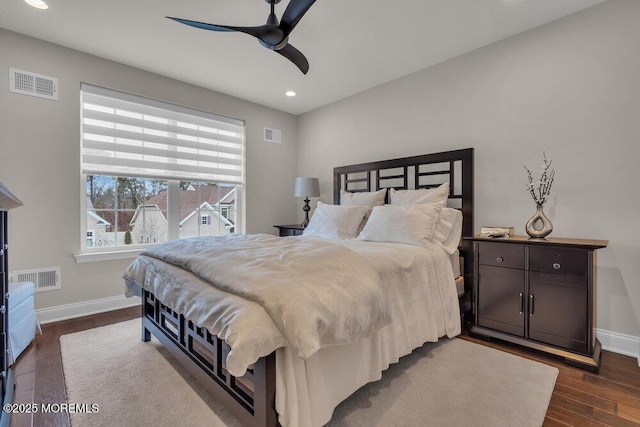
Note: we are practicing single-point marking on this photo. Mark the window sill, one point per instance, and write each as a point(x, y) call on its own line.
point(107, 255)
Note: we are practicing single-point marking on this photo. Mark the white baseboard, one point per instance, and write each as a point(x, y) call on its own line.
point(611, 341)
point(85, 308)
point(620, 343)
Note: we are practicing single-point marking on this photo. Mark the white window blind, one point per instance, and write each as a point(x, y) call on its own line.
point(129, 135)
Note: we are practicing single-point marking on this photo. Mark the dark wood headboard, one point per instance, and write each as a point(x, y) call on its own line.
point(425, 171)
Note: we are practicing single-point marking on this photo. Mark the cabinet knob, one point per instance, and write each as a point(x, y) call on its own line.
point(3, 309)
point(499, 259)
point(556, 266)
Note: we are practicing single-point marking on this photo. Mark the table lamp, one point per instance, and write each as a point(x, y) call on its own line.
point(306, 187)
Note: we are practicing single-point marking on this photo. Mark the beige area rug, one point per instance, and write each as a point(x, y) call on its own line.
point(450, 383)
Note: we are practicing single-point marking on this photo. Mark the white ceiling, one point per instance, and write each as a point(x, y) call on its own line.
point(351, 45)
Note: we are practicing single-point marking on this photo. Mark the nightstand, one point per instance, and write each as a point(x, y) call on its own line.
point(538, 293)
point(290, 230)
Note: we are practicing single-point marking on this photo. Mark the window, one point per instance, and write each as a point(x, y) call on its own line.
point(224, 211)
point(90, 238)
point(155, 171)
point(128, 210)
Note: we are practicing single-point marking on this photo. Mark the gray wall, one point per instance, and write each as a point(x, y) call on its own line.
point(570, 88)
point(40, 160)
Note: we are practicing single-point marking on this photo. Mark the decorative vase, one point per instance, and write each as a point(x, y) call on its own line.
point(539, 225)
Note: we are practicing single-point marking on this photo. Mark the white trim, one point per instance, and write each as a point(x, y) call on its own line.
point(107, 255)
point(145, 206)
point(98, 218)
point(85, 308)
point(620, 343)
point(211, 209)
point(227, 196)
point(193, 212)
point(83, 206)
point(173, 210)
point(611, 341)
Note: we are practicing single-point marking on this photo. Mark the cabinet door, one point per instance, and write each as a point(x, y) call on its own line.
point(3, 232)
point(3, 302)
point(558, 310)
point(500, 299)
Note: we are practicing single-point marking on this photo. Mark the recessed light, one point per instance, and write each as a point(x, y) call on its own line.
point(39, 4)
point(290, 93)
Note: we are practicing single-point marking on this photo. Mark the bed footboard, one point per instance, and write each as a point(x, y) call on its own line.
point(250, 398)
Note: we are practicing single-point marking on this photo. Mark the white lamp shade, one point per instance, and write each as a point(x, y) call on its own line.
point(307, 187)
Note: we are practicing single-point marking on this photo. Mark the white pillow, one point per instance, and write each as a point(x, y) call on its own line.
point(411, 224)
point(424, 195)
point(449, 229)
point(335, 221)
point(363, 198)
point(368, 198)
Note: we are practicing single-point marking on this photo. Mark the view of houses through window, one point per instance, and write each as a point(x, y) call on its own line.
point(125, 210)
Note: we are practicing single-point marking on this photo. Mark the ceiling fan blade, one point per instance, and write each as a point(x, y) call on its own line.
point(254, 31)
point(293, 13)
point(295, 56)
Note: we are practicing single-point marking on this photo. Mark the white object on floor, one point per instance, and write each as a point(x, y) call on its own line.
point(22, 318)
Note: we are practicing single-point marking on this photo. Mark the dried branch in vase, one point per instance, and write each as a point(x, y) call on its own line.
point(540, 190)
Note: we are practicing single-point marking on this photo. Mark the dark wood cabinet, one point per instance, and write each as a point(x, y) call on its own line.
point(4, 273)
point(290, 230)
point(7, 201)
point(539, 293)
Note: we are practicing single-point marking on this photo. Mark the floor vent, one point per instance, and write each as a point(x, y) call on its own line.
point(33, 84)
point(45, 279)
point(272, 135)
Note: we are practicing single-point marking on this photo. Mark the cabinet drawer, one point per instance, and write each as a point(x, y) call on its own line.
point(501, 255)
point(559, 260)
point(290, 232)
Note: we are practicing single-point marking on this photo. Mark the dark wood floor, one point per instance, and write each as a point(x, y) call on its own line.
point(580, 398)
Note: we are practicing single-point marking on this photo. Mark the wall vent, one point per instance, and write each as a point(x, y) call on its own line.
point(33, 84)
point(272, 135)
point(45, 279)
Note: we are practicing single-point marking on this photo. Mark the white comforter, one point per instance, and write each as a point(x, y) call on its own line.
point(421, 300)
point(317, 294)
point(423, 303)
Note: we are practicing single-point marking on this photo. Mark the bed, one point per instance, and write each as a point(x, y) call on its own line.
point(303, 377)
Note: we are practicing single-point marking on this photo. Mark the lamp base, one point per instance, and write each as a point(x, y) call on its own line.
point(306, 210)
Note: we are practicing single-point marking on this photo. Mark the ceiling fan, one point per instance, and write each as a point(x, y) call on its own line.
point(272, 35)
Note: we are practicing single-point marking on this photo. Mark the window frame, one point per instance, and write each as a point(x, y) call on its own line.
point(90, 254)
